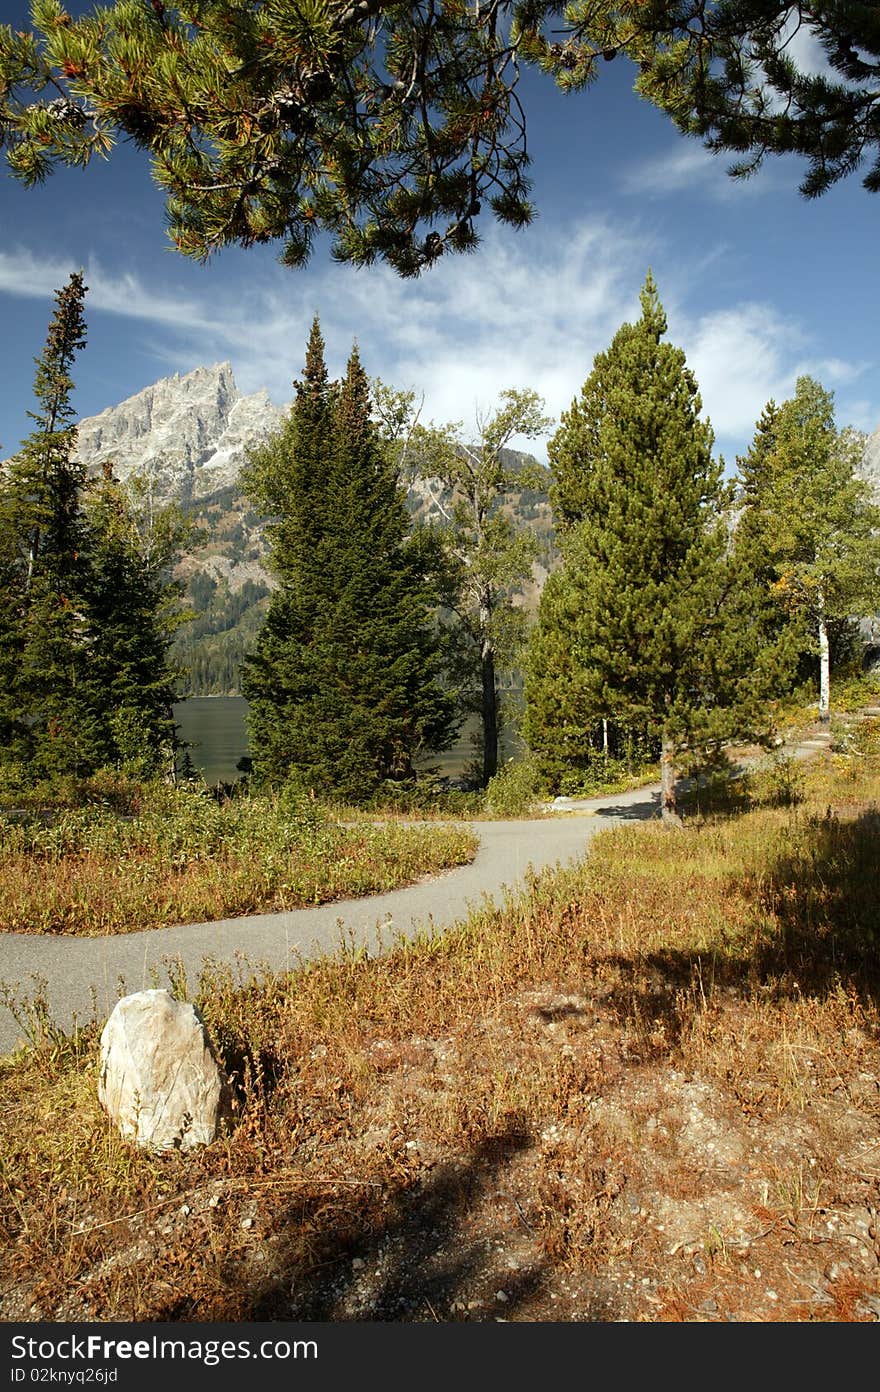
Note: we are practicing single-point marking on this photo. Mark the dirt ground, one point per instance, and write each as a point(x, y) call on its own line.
point(655, 1195)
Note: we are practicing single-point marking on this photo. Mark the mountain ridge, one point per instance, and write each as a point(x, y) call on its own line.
point(189, 434)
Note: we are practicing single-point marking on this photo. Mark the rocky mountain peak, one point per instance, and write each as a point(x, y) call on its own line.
point(871, 467)
point(188, 432)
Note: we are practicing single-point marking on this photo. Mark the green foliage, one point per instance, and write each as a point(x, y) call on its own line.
point(179, 855)
point(514, 789)
point(486, 556)
point(344, 685)
point(735, 79)
point(87, 610)
point(651, 624)
point(778, 781)
point(211, 647)
point(393, 126)
point(808, 524)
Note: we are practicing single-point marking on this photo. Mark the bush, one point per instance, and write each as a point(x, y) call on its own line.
point(514, 789)
point(778, 781)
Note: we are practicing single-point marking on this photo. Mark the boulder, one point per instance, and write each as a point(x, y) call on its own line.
point(159, 1080)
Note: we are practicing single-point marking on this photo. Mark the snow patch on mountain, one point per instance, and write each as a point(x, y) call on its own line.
point(188, 434)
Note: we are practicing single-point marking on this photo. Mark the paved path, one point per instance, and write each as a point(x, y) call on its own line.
point(84, 975)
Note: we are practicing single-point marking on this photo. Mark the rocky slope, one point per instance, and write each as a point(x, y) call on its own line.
point(871, 468)
point(189, 435)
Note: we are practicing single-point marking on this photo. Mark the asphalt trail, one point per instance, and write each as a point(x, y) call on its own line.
point(85, 976)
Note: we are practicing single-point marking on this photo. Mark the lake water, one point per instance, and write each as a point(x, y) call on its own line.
point(215, 727)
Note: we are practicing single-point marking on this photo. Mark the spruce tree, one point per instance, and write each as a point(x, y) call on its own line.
point(344, 685)
point(811, 519)
point(44, 543)
point(664, 628)
point(133, 611)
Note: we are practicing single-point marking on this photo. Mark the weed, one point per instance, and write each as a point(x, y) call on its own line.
point(186, 858)
point(645, 1088)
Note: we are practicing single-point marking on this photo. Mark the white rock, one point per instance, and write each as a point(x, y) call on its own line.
point(159, 1080)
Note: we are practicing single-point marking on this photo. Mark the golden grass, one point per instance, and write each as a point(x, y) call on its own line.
point(618, 1096)
point(88, 893)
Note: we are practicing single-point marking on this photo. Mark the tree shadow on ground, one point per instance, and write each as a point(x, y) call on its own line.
point(820, 915)
point(420, 1247)
point(405, 1253)
point(643, 811)
point(823, 894)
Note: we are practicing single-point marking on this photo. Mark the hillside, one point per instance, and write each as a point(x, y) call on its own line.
point(189, 435)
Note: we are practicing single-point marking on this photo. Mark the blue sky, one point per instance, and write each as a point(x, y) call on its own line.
point(759, 285)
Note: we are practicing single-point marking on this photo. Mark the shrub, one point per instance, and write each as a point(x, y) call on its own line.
point(514, 789)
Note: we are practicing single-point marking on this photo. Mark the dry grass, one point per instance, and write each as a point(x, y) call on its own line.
point(92, 872)
point(648, 1089)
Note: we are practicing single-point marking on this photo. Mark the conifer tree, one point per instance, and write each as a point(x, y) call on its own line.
point(395, 127)
point(665, 630)
point(811, 519)
point(344, 685)
point(87, 608)
point(133, 612)
point(44, 544)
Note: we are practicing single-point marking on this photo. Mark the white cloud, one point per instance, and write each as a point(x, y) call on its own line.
point(506, 318)
point(26, 276)
point(690, 167)
point(859, 413)
point(746, 355)
point(524, 312)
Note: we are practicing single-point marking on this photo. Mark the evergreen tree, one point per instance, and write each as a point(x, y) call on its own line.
point(560, 721)
point(88, 611)
point(133, 611)
point(811, 520)
point(44, 563)
point(344, 685)
point(660, 624)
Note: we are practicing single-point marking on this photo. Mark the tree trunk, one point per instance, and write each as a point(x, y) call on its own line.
point(668, 809)
point(605, 737)
point(824, 666)
point(489, 714)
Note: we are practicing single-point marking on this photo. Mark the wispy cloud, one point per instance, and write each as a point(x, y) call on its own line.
point(687, 167)
point(26, 276)
point(474, 326)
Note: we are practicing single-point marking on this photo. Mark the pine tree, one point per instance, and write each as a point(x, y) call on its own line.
point(44, 543)
point(394, 127)
point(664, 628)
point(811, 519)
point(560, 721)
point(344, 685)
point(133, 611)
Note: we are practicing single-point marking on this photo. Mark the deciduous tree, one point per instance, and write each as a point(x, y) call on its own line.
point(488, 557)
point(811, 519)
